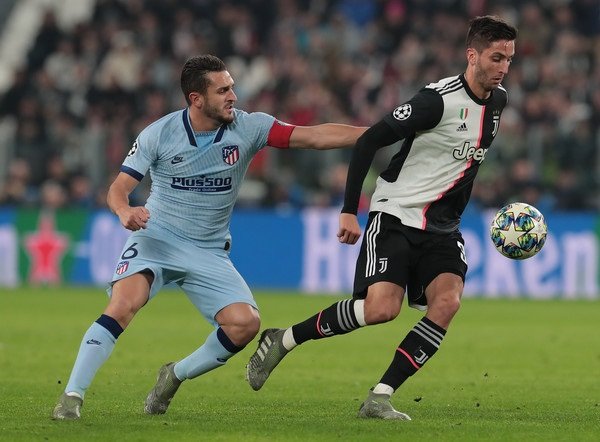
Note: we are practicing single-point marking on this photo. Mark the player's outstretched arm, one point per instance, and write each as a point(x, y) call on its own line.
point(132, 218)
point(325, 136)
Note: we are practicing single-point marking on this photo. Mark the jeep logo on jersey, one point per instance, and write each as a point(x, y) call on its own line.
point(231, 154)
point(466, 152)
point(402, 112)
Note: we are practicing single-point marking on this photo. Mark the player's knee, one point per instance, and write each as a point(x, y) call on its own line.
point(383, 302)
point(252, 328)
point(241, 322)
point(122, 311)
point(455, 305)
point(446, 305)
point(244, 330)
point(377, 313)
point(452, 304)
point(128, 297)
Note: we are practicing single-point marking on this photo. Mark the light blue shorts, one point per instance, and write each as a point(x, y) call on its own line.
point(206, 275)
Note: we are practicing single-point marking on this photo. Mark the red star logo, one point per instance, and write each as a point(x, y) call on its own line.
point(46, 248)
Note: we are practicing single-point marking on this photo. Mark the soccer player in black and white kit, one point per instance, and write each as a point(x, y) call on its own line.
point(412, 242)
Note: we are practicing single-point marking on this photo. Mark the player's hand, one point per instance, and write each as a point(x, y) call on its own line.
point(349, 229)
point(134, 218)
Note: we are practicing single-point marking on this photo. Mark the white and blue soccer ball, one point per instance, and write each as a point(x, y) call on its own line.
point(518, 231)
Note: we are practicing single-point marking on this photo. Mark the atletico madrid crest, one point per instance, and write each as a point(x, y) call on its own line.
point(122, 267)
point(231, 154)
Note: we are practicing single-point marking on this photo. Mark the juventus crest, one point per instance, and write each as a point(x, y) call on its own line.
point(496, 121)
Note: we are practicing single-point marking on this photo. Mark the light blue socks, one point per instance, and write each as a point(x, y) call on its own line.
point(215, 351)
point(96, 346)
point(99, 340)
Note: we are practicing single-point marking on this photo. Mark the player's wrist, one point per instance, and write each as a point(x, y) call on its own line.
point(349, 210)
point(118, 210)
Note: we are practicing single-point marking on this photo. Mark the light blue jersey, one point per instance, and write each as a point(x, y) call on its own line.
point(196, 177)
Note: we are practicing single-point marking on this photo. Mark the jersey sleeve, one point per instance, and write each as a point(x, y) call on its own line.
point(141, 155)
point(376, 137)
point(256, 127)
point(279, 135)
point(422, 112)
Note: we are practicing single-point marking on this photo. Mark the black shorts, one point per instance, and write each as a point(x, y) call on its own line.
point(408, 257)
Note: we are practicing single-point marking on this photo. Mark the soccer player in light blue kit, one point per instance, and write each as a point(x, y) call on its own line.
point(197, 158)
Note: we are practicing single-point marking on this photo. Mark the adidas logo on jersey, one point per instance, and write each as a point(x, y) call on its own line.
point(462, 128)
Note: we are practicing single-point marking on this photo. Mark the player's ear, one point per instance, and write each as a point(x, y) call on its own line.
point(196, 99)
point(471, 56)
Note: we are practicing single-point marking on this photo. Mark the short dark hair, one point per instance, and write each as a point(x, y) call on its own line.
point(485, 30)
point(193, 73)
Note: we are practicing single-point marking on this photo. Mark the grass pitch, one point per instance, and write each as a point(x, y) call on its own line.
point(508, 370)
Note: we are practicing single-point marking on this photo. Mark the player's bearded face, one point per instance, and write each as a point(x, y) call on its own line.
point(223, 113)
point(493, 63)
point(220, 98)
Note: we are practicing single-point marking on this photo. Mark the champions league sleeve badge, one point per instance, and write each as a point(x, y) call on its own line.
point(133, 149)
point(402, 112)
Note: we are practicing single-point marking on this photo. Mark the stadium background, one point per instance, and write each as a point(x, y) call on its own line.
point(79, 79)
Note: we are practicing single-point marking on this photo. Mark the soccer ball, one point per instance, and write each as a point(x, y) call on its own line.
point(518, 231)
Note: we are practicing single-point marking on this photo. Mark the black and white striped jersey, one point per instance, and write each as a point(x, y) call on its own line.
point(447, 131)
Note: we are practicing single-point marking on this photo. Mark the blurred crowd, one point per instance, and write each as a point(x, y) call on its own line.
point(86, 92)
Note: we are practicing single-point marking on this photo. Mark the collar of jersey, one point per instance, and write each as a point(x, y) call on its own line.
point(190, 132)
point(474, 97)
